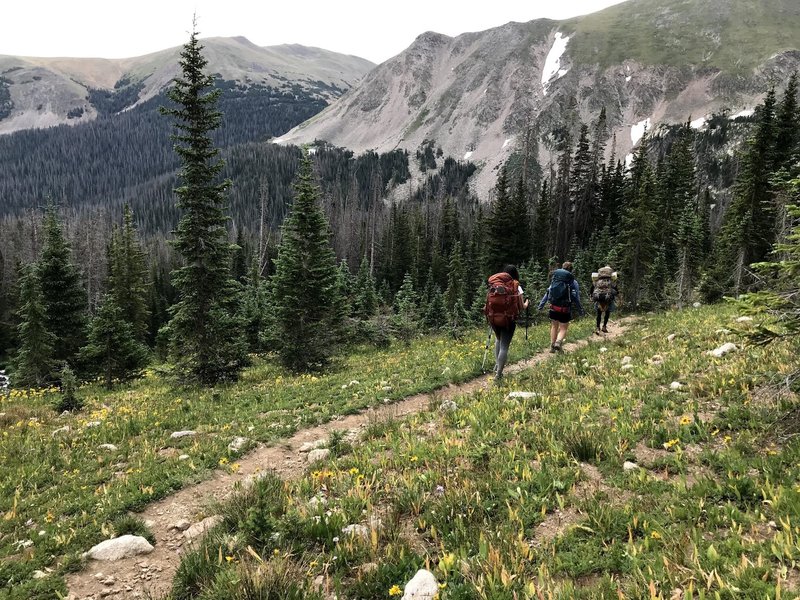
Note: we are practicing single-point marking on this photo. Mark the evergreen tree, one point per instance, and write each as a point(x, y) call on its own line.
point(239, 270)
point(455, 291)
point(405, 320)
point(787, 127)
point(365, 297)
point(206, 336)
point(35, 360)
point(749, 226)
point(638, 234)
point(112, 349)
point(540, 242)
point(305, 290)
point(254, 307)
point(499, 226)
point(128, 276)
point(582, 189)
point(63, 296)
point(561, 203)
point(435, 313)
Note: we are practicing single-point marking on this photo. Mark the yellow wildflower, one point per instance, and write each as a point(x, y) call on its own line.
point(395, 590)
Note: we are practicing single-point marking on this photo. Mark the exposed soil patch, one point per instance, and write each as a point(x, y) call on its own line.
point(153, 574)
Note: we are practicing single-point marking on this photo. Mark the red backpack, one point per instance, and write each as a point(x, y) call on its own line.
point(502, 300)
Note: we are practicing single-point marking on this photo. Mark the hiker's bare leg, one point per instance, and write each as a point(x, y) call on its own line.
point(553, 332)
point(562, 332)
point(503, 342)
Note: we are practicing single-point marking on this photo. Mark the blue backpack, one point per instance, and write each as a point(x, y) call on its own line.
point(561, 288)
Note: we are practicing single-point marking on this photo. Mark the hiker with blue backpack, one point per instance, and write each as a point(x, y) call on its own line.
point(562, 294)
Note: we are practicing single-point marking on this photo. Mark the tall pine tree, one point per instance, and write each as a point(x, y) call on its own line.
point(206, 337)
point(63, 295)
point(128, 276)
point(305, 292)
point(35, 362)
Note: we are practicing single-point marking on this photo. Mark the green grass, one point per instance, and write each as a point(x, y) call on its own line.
point(63, 493)
point(732, 35)
point(471, 494)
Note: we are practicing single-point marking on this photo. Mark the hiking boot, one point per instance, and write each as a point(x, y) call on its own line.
point(597, 331)
point(559, 346)
point(605, 329)
point(552, 348)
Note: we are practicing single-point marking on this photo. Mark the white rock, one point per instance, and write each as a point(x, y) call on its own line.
point(109, 447)
point(237, 444)
point(744, 319)
point(92, 424)
point(124, 546)
point(448, 406)
point(675, 385)
point(629, 466)
point(199, 529)
point(723, 350)
point(603, 349)
point(521, 395)
point(309, 446)
point(671, 337)
point(176, 435)
point(183, 457)
point(423, 586)
point(319, 454)
point(626, 360)
point(181, 525)
point(627, 367)
point(723, 331)
point(39, 574)
point(697, 305)
point(64, 429)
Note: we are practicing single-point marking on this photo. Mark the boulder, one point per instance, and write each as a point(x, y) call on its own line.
point(423, 586)
point(675, 385)
point(109, 447)
point(176, 435)
point(629, 466)
point(626, 360)
point(181, 525)
point(696, 305)
point(125, 546)
point(671, 337)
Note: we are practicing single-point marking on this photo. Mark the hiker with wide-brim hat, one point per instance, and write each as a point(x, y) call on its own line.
point(563, 294)
point(504, 302)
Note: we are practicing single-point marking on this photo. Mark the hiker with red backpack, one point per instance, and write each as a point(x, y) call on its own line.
point(603, 293)
point(504, 302)
point(562, 294)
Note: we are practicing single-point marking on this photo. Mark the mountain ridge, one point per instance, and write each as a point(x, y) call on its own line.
point(476, 93)
point(43, 91)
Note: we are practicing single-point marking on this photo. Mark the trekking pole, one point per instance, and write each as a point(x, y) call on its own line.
point(486, 351)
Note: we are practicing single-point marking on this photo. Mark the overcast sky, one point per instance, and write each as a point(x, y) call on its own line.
point(375, 30)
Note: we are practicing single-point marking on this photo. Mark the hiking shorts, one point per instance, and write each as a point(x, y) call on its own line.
point(561, 317)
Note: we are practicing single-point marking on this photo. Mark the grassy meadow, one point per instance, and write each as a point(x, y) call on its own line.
point(67, 481)
point(510, 498)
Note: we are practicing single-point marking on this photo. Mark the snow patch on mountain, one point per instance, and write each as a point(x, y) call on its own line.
point(637, 131)
point(698, 123)
point(552, 64)
point(748, 112)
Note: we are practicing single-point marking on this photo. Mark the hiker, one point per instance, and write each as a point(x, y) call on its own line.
point(562, 294)
point(604, 293)
point(504, 301)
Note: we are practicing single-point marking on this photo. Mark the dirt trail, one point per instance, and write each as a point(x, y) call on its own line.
point(153, 573)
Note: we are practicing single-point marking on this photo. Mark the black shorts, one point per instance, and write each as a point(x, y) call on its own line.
point(561, 317)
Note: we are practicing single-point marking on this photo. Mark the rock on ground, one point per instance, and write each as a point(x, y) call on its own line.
point(320, 454)
point(309, 446)
point(237, 444)
point(629, 466)
point(723, 350)
point(176, 435)
point(521, 395)
point(200, 528)
point(124, 546)
point(423, 586)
